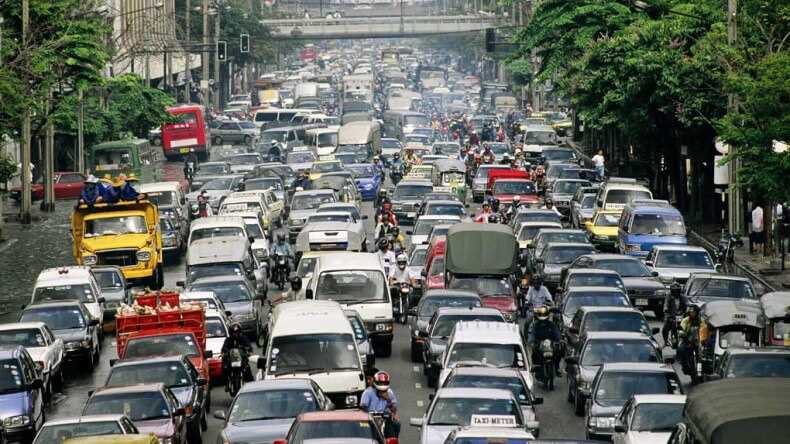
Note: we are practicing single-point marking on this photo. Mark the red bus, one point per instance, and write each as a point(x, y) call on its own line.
point(190, 132)
point(308, 54)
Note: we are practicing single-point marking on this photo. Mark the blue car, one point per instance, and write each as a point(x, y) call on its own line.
point(368, 179)
point(21, 395)
point(645, 223)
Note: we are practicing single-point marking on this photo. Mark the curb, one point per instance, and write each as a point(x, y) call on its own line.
point(745, 269)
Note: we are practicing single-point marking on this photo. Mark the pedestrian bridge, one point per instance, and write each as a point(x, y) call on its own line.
point(382, 27)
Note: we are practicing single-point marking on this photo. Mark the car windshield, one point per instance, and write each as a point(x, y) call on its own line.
point(537, 216)
point(403, 192)
point(311, 201)
point(418, 257)
point(566, 255)
point(259, 405)
point(171, 374)
point(616, 321)
point(416, 120)
point(487, 355)
point(597, 352)
point(308, 353)
point(499, 148)
point(74, 292)
point(423, 226)
point(329, 218)
point(358, 431)
point(595, 280)
point(658, 224)
point(363, 171)
point(781, 330)
point(684, 259)
point(327, 167)
point(569, 186)
point(587, 299)
point(61, 432)
point(56, 318)
point(210, 233)
point(588, 201)
point(174, 344)
point(428, 306)
point(218, 184)
point(300, 157)
point(107, 226)
point(11, 379)
point(437, 267)
point(544, 138)
point(359, 328)
point(214, 269)
point(161, 199)
point(243, 207)
point(263, 184)
point(306, 266)
point(227, 292)
point(615, 388)
point(143, 406)
point(29, 338)
point(459, 411)
point(759, 366)
point(514, 187)
point(624, 267)
point(512, 383)
point(528, 232)
point(625, 196)
point(390, 143)
point(216, 168)
point(607, 220)
point(351, 287)
point(739, 336)
point(446, 149)
point(444, 326)
point(659, 417)
point(721, 288)
point(215, 328)
point(563, 236)
point(483, 286)
point(254, 229)
point(445, 210)
point(453, 177)
point(326, 139)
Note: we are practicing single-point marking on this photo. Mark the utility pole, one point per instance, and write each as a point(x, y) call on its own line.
point(736, 222)
point(187, 72)
point(48, 204)
point(204, 87)
point(217, 86)
point(25, 202)
point(80, 132)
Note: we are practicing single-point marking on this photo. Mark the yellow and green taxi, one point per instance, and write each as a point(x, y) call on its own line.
point(602, 229)
point(324, 166)
point(420, 172)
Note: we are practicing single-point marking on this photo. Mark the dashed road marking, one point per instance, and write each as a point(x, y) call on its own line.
point(416, 369)
point(417, 385)
point(420, 404)
point(8, 243)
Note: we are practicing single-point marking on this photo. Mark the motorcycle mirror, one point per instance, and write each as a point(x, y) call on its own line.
point(537, 400)
point(654, 274)
point(220, 414)
point(261, 362)
point(208, 354)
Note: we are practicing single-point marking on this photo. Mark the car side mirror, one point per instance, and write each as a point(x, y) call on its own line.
point(364, 217)
point(93, 322)
point(308, 294)
point(101, 300)
point(181, 284)
point(220, 414)
point(654, 330)
point(414, 422)
point(113, 361)
point(423, 273)
point(228, 313)
point(649, 263)
point(537, 400)
point(654, 274)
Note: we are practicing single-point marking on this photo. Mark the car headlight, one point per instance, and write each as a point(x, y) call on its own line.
point(384, 326)
point(16, 421)
point(602, 422)
point(633, 248)
point(666, 279)
point(72, 345)
point(169, 241)
point(297, 221)
point(243, 317)
point(143, 256)
point(85, 343)
point(89, 259)
point(261, 253)
point(600, 237)
point(351, 401)
point(662, 293)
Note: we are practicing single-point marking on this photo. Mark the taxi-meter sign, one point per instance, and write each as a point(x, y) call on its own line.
point(493, 421)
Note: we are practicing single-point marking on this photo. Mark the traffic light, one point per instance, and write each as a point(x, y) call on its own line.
point(490, 40)
point(222, 50)
point(244, 43)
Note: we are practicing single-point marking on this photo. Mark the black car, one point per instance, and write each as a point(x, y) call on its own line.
point(770, 362)
point(72, 322)
point(178, 374)
point(407, 198)
point(420, 316)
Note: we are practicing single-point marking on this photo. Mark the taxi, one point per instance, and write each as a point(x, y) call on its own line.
point(602, 229)
point(320, 167)
point(420, 172)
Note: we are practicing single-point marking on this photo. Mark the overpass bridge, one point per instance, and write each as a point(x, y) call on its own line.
point(382, 27)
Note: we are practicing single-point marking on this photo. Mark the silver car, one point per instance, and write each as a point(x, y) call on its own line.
point(303, 204)
point(675, 263)
point(217, 189)
point(234, 132)
point(114, 288)
point(364, 347)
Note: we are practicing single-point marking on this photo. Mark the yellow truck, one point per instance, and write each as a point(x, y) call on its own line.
point(125, 234)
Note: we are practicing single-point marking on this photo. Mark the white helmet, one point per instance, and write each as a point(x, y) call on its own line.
point(401, 258)
point(516, 198)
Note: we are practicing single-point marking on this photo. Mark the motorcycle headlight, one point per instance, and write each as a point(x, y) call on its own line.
point(143, 256)
point(16, 421)
point(90, 259)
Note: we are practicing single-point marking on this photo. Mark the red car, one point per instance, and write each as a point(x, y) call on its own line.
point(68, 185)
point(338, 424)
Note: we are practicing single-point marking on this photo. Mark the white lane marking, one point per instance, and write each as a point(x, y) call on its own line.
point(420, 404)
point(416, 369)
point(8, 243)
point(417, 385)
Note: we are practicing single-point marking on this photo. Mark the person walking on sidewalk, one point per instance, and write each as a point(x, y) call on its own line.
point(757, 235)
point(598, 161)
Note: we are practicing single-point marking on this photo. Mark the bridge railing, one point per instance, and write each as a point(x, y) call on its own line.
point(386, 20)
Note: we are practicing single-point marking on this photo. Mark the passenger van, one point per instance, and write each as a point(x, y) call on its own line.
point(246, 201)
point(357, 281)
point(400, 123)
point(362, 136)
point(216, 226)
point(270, 118)
point(306, 337)
point(220, 256)
point(168, 197)
point(645, 223)
point(191, 131)
point(128, 156)
point(75, 282)
point(322, 141)
point(617, 192)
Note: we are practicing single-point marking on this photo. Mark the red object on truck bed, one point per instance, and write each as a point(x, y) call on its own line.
point(497, 173)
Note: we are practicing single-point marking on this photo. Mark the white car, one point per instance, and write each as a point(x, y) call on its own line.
point(340, 235)
point(42, 345)
point(648, 419)
point(74, 282)
point(422, 228)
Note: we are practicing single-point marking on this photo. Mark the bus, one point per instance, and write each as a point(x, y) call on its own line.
point(189, 132)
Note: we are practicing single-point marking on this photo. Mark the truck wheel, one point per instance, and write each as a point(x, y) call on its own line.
point(217, 140)
point(384, 349)
point(416, 353)
point(157, 279)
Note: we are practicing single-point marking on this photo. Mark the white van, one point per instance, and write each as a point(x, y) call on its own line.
point(217, 226)
point(617, 192)
point(357, 281)
point(322, 141)
point(245, 202)
point(73, 283)
point(314, 339)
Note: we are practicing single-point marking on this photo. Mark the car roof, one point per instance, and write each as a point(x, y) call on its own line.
point(277, 384)
point(331, 213)
point(312, 192)
point(439, 217)
point(137, 388)
point(616, 335)
point(414, 182)
point(668, 247)
point(538, 223)
point(592, 271)
point(22, 326)
point(604, 309)
point(64, 275)
point(154, 187)
point(217, 279)
point(493, 432)
point(216, 221)
point(486, 332)
point(720, 277)
point(46, 304)
point(659, 399)
point(172, 358)
point(446, 202)
point(334, 415)
point(471, 310)
point(84, 419)
point(610, 256)
point(568, 244)
point(558, 230)
point(759, 351)
point(466, 392)
point(636, 367)
point(351, 261)
point(308, 317)
point(487, 371)
point(445, 292)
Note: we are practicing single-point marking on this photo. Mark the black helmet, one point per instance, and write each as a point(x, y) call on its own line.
point(492, 219)
point(536, 281)
point(235, 328)
point(395, 231)
point(383, 243)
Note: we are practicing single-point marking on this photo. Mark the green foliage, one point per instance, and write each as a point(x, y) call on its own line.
point(7, 168)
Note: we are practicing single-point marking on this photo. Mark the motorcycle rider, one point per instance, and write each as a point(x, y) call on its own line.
point(541, 329)
point(190, 165)
point(302, 181)
point(387, 257)
point(283, 249)
point(549, 205)
point(513, 207)
point(236, 339)
point(202, 202)
point(379, 398)
point(378, 166)
point(483, 216)
point(397, 239)
point(537, 296)
point(274, 152)
point(688, 325)
point(401, 274)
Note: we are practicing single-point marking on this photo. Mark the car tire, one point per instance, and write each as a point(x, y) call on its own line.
point(217, 140)
point(157, 279)
point(569, 398)
point(57, 382)
point(579, 407)
point(384, 349)
point(193, 433)
point(203, 421)
point(91, 360)
point(433, 379)
point(416, 353)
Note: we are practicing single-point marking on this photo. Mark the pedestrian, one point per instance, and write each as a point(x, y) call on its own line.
point(598, 162)
point(757, 235)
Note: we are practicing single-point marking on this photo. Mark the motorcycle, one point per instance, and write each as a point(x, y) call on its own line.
point(396, 173)
point(690, 358)
point(547, 366)
point(280, 271)
point(189, 173)
point(236, 371)
point(401, 292)
point(380, 419)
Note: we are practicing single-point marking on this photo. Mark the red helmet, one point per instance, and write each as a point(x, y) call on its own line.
point(381, 381)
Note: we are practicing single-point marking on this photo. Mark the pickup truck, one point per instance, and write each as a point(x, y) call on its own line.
point(164, 327)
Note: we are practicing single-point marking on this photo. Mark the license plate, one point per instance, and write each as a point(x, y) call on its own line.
point(411, 215)
point(183, 150)
point(641, 302)
point(235, 364)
